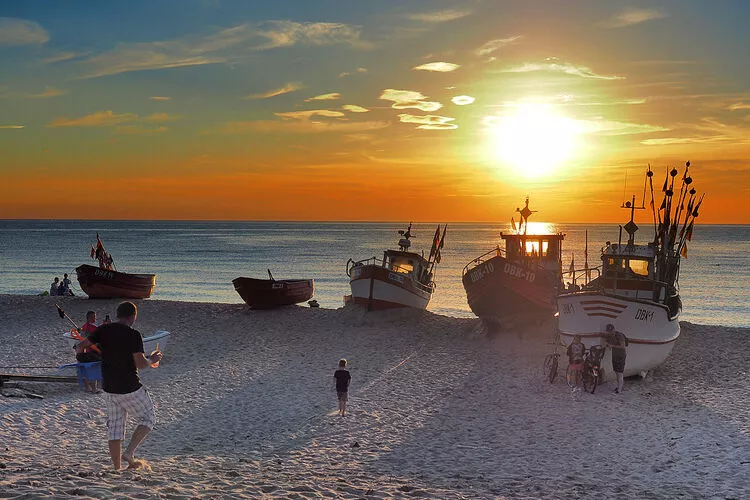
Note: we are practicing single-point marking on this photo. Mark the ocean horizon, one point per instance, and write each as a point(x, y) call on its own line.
point(197, 260)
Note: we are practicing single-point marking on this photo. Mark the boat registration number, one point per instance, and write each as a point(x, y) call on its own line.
point(644, 315)
point(480, 272)
point(519, 272)
point(104, 273)
point(395, 277)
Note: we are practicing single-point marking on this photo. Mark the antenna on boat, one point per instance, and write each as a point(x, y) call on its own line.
point(404, 242)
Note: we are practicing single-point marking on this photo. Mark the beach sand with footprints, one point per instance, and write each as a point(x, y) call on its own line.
point(246, 409)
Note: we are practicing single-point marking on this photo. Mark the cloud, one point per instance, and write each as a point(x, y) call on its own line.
point(159, 98)
point(138, 130)
point(300, 126)
point(325, 97)
point(11, 126)
point(608, 127)
point(347, 73)
point(63, 56)
point(98, 119)
point(309, 114)
point(405, 99)
point(161, 117)
point(493, 45)
point(739, 106)
point(49, 92)
point(442, 67)
point(566, 68)
point(440, 16)
point(15, 32)
point(289, 87)
point(219, 47)
point(429, 122)
point(462, 100)
point(353, 108)
point(634, 16)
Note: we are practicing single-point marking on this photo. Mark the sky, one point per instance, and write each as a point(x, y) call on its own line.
point(424, 110)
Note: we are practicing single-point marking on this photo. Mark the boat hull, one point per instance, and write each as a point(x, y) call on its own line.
point(160, 337)
point(100, 283)
point(379, 288)
point(649, 327)
point(267, 294)
point(499, 288)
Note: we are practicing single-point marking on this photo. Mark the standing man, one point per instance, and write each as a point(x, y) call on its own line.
point(576, 351)
point(122, 357)
point(618, 342)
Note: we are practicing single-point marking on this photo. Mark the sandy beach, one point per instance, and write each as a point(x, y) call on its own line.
point(438, 409)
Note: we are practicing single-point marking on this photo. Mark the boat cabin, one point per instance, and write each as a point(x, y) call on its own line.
point(629, 270)
point(405, 263)
point(545, 249)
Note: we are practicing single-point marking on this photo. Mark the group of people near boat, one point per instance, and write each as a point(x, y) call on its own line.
point(61, 287)
point(615, 340)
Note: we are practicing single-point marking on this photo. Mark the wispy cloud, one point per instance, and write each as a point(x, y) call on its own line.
point(630, 17)
point(49, 92)
point(64, 56)
point(353, 108)
point(462, 100)
point(15, 32)
point(11, 126)
point(139, 130)
point(739, 106)
point(301, 126)
point(309, 114)
point(440, 16)
point(344, 74)
point(159, 98)
point(285, 89)
point(442, 67)
point(161, 117)
point(333, 96)
point(493, 45)
point(98, 119)
point(405, 99)
point(609, 127)
point(560, 67)
point(429, 122)
point(219, 47)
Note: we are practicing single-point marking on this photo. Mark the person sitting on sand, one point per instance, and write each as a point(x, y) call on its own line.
point(55, 286)
point(342, 377)
point(122, 356)
point(618, 342)
point(576, 351)
point(66, 285)
point(88, 354)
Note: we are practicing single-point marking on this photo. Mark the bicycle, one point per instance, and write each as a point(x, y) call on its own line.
point(552, 361)
point(592, 370)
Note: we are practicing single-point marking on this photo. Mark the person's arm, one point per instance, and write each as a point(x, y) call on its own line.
point(142, 361)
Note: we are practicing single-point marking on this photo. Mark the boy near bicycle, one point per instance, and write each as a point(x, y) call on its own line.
point(576, 352)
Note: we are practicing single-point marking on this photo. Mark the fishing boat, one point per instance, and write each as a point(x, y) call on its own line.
point(106, 281)
point(636, 289)
point(400, 279)
point(523, 278)
point(160, 337)
point(270, 293)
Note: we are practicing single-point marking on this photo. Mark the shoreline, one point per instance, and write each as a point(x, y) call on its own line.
point(438, 409)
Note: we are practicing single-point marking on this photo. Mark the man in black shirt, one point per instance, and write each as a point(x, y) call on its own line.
point(122, 355)
point(342, 378)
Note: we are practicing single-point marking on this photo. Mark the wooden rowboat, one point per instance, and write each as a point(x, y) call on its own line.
point(100, 283)
point(270, 293)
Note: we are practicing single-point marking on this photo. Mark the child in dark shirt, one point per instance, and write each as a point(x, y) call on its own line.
point(342, 378)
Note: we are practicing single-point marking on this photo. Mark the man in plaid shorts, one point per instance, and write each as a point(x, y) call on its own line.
point(122, 357)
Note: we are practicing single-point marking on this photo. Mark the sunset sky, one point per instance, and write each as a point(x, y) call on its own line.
point(381, 110)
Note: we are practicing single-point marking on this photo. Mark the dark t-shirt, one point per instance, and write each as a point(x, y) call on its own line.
point(118, 342)
point(342, 380)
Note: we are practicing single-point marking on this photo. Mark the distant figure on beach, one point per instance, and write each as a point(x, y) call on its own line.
point(618, 342)
point(576, 351)
point(88, 354)
point(122, 356)
point(342, 377)
point(55, 286)
point(66, 285)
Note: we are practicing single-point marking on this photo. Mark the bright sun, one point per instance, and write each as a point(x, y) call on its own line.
point(533, 139)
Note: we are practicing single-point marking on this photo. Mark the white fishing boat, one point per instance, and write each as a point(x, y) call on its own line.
point(636, 289)
point(400, 279)
point(159, 337)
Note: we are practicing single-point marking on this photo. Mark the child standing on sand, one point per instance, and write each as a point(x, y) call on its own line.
point(342, 378)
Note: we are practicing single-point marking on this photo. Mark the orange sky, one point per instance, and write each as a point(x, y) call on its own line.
point(434, 111)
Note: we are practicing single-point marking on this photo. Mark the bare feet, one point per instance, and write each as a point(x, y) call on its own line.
point(132, 462)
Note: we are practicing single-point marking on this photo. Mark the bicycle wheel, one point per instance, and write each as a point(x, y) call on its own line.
point(590, 381)
point(568, 375)
point(550, 368)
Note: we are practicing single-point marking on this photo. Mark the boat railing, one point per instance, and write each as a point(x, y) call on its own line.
point(495, 252)
point(582, 277)
point(351, 263)
point(428, 287)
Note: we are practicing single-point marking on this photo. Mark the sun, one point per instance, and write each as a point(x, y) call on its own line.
point(533, 140)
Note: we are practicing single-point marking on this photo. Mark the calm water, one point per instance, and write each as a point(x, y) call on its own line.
point(196, 261)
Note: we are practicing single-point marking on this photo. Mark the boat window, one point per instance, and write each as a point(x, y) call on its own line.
point(532, 248)
point(402, 265)
point(639, 267)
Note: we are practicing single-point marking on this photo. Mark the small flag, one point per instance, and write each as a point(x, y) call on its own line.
point(689, 233)
point(513, 223)
point(435, 241)
point(664, 188)
point(683, 252)
point(440, 246)
point(572, 265)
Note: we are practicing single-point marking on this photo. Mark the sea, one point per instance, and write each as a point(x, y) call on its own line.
point(197, 260)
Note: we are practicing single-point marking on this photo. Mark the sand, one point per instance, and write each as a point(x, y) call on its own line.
point(438, 409)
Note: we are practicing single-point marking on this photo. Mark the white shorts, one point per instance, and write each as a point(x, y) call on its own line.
point(138, 404)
